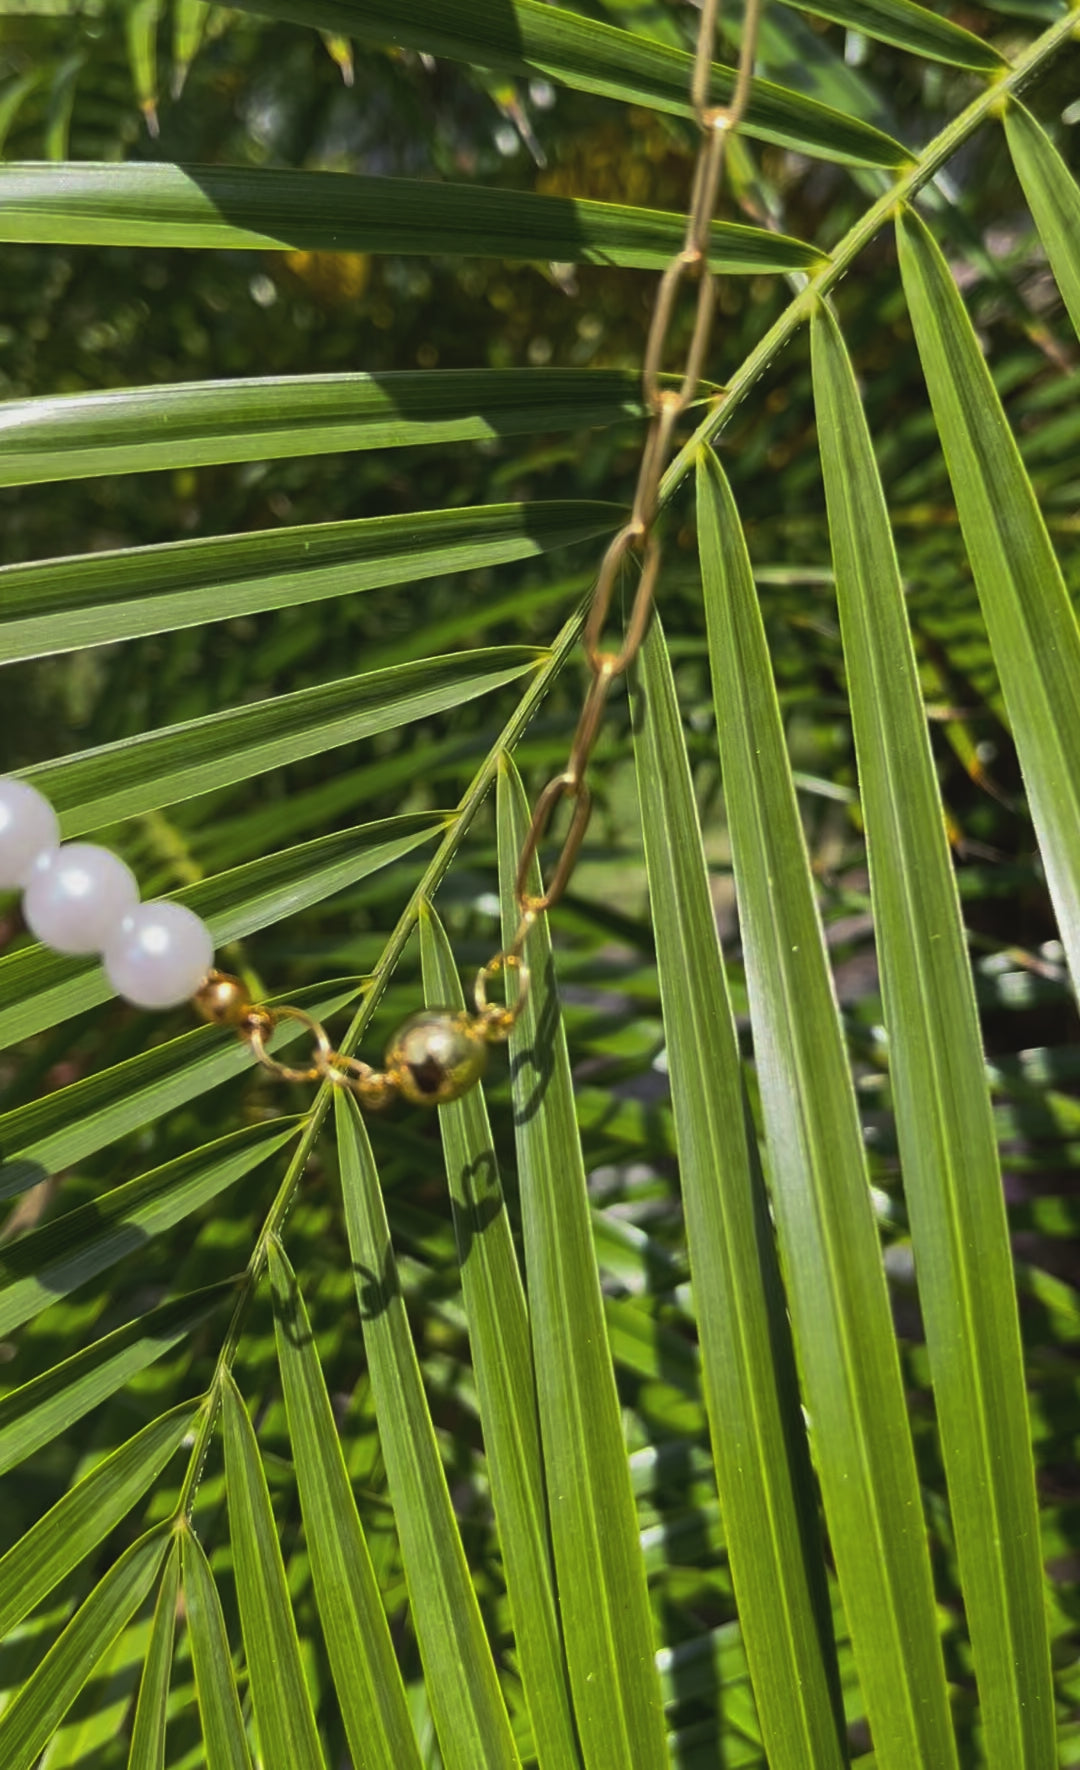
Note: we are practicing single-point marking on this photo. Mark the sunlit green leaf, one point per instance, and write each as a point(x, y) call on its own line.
point(142, 21)
point(201, 423)
point(177, 762)
point(503, 1367)
point(30, 1719)
point(607, 1627)
point(462, 1686)
point(189, 19)
point(952, 1183)
point(75, 1247)
point(818, 1182)
point(1053, 198)
point(52, 1403)
point(148, 1728)
point(915, 28)
point(283, 1716)
point(1029, 615)
point(524, 36)
point(366, 1673)
point(763, 1470)
point(50, 1134)
point(219, 1704)
point(132, 204)
point(85, 1516)
point(88, 599)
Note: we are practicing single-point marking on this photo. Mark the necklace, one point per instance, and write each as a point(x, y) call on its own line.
point(79, 897)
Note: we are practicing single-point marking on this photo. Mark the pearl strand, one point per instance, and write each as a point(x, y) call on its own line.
point(79, 898)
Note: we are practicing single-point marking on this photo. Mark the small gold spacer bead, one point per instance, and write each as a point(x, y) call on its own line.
point(221, 999)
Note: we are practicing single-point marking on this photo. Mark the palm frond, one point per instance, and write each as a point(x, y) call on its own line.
point(573, 1430)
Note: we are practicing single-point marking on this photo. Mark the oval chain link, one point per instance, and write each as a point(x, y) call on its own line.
point(259, 1023)
point(371, 1086)
point(224, 1000)
point(665, 405)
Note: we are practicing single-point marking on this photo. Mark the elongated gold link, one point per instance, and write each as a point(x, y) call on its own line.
point(441, 1057)
point(259, 1023)
point(638, 535)
point(653, 460)
point(664, 406)
point(592, 712)
point(438, 1055)
point(564, 786)
point(255, 1025)
point(701, 78)
point(618, 662)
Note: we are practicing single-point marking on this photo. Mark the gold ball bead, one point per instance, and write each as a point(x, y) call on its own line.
point(436, 1056)
point(221, 999)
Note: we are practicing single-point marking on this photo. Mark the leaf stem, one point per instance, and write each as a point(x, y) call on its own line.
point(933, 157)
point(459, 824)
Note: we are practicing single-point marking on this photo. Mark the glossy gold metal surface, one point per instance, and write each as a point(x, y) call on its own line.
point(436, 1056)
point(221, 999)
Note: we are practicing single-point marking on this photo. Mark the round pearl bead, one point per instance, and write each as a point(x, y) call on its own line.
point(159, 955)
point(28, 826)
point(76, 895)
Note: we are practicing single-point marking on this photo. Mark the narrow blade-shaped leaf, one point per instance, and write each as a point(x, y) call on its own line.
point(762, 1464)
point(460, 1676)
point(279, 1694)
point(147, 1751)
point(73, 1248)
point(820, 1192)
point(1031, 622)
point(95, 598)
point(85, 1515)
point(915, 28)
point(215, 1682)
point(1053, 198)
point(203, 423)
point(189, 20)
point(525, 36)
point(502, 1362)
point(952, 1181)
point(159, 768)
point(87, 1115)
point(607, 1626)
point(153, 204)
point(50, 1404)
point(30, 1719)
point(366, 1675)
point(245, 899)
point(141, 27)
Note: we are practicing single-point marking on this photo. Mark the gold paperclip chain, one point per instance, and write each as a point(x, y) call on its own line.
point(665, 405)
point(440, 1053)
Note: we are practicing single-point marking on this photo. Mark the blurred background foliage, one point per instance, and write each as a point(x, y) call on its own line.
point(189, 83)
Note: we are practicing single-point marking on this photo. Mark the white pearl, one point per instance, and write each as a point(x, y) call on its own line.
point(76, 896)
point(28, 826)
point(159, 955)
